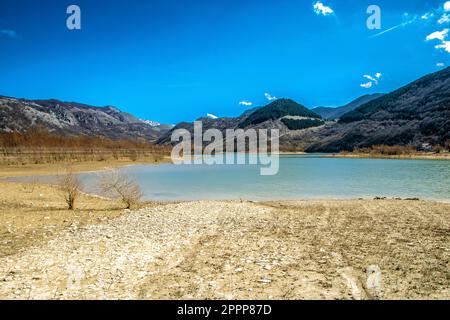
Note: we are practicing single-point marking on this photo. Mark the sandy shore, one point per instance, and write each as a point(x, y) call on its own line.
point(54, 168)
point(361, 249)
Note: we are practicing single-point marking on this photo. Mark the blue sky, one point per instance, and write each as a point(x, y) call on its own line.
point(174, 61)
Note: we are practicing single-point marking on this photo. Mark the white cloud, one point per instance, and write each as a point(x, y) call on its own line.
point(427, 16)
point(441, 36)
point(367, 85)
point(8, 33)
point(440, 64)
point(211, 116)
point(370, 78)
point(373, 80)
point(245, 103)
point(447, 6)
point(321, 9)
point(445, 45)
point(444, 19)
point(438, 35)
point(270, 97)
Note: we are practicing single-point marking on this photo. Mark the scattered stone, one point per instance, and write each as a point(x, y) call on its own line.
point(265, 280)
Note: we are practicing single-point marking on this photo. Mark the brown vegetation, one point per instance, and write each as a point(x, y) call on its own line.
point(387, 150)
point(39, 146)
point(120, 186)
point(70, 186)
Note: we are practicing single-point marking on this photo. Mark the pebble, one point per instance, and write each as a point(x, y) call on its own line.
point(265, 280)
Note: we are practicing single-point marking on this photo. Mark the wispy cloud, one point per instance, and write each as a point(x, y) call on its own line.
point(370, 78)
point(427, 16)
point(373, 80)
point(440, 16)
point(441, 36)
point(270, 97)
point(440, 64)
point(321, 9)
point(435, 13)
point(245, 103)
point(444, 19)
point(8, 33)
point(367, 85)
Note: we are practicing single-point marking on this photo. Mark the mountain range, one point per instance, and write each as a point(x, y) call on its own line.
point(414, 114)
point(71, 118)
point(282, 114)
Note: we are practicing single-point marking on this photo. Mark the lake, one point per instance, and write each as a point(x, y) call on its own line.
point(299, 177)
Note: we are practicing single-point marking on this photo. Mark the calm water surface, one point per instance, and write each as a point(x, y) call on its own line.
point(299, 177)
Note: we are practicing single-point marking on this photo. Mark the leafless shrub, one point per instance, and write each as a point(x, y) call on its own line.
point(70, 186)
point(123, 187)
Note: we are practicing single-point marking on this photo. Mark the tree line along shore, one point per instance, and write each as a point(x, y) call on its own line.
point(38, 146)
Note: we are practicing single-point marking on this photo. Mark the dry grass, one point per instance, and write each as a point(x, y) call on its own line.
point(31, 214)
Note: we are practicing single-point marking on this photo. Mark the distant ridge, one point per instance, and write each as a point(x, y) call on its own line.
point(336, 113)
point(72, 118)
point(283, 114)
point(414, 114)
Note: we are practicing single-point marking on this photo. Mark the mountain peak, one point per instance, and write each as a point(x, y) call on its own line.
point(278, 109)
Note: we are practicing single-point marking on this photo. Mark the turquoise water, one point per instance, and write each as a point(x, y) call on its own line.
point(299, 177)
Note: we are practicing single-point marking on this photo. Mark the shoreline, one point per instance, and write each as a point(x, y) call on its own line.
point(11, 171)
point(8, 174)
point(297, 249)
point(416, 156)
point(241, 199)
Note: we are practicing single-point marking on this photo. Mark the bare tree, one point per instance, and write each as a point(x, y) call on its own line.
point(70, 185)
point(123, 187)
